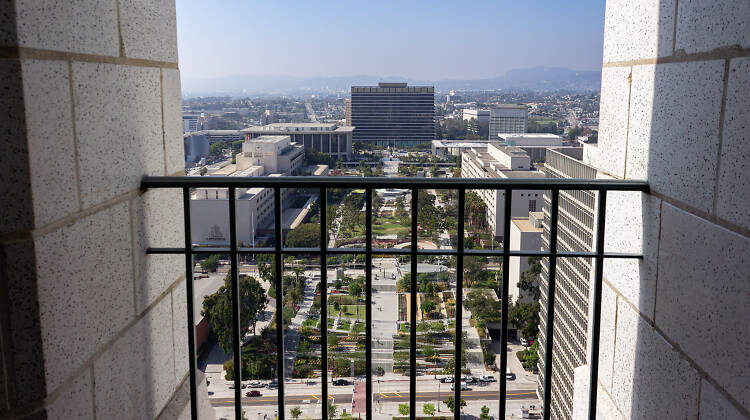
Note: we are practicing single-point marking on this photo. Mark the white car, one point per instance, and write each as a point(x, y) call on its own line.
point(463, 386)
point(524, 342)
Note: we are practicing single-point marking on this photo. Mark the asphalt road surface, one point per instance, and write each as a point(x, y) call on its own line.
point(385, 397)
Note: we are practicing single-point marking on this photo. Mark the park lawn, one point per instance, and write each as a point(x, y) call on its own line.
point(389, 226)
point(348, 311)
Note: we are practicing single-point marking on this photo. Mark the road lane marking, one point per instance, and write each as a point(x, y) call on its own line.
point(314, 396)
point(398, 395)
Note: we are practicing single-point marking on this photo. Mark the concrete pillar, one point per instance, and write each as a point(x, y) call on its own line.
point(90, 325)
point(675, 111)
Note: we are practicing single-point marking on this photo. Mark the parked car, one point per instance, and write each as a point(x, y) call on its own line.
point(340, 382)
point(447, 379)
point(255, 384)
point(470, 379)
point(253, 393)
point(463, 386)
point(487, 378)
point(273, 384)
point(509, 375)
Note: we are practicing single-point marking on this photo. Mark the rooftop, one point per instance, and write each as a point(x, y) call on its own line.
point(525, 225)
point(529, 135)
point(298, 127)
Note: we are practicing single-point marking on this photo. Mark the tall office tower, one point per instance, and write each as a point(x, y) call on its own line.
point(508, 118)
point(348, 111)
point(393, 114)
point(575, 222)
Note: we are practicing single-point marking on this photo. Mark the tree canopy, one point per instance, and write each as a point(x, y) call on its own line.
point(218, 308)
point(306, 235)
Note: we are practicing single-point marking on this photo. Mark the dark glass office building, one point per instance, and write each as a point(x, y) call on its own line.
point(393, 114)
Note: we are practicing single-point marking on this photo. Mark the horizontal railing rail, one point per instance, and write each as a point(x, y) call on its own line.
point(413, 185)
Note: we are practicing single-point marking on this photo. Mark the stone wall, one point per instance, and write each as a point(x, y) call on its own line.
point(675, 111)
point(90, 325)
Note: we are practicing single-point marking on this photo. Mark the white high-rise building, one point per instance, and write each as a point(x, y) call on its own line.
point(496, 161)
point(508, 118)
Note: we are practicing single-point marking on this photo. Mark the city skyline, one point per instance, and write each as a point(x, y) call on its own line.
point(421, 41)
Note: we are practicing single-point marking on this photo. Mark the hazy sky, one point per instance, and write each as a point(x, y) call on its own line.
point(425, 40)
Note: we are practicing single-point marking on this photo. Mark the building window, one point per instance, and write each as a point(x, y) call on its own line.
point(532, 205)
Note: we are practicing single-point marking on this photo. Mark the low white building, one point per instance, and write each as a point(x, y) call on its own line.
point(502, 162)
point(209, 207)
point(329, 138)
point(535, 144)
point(525, 235)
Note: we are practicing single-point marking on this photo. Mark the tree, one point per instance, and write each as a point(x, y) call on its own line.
point(216, 148)
point(485, 413)
point(355, 289)
point(211, 263)
point(218, 308)
point(449, 402)
point(403, 409)
point(429, 409)
point(295, 412)
point(427, 307)
point(203, 170)
point(306, 235)
point(528, 281)
point(331, 411)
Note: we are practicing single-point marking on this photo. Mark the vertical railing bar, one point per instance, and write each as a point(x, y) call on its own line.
point(192, 364)
point(279, 302)
point(413, 304)
point(598, 274)
point(368, 299)
point(550, 304)
point(236, 339)
point(324, 303)
point(504, 302)
point(459, 305)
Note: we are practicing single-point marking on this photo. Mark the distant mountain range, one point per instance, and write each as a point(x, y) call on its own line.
point(535, 78)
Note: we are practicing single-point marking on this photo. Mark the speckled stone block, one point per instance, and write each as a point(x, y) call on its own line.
point(715, 406)
point(75, 401)
point(149, 29)
point(180, 331)
point(118, 126)
point(173, 136)
point(143, 381)
point(632, 226)
point(7, 23)
point(24, 361)
point(157, 222)
point(651, 379)
point(78, 26)
point(638, 29)
point(674, 129)
point(607, 332)
point(613, 123)
point(703, 297)
point(605, 407)
point(16, 212)
point(50, 127)
point(703, 26)
point(85, 283)
point(733, 199)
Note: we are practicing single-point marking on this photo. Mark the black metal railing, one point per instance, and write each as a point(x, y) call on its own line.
point(414, 185)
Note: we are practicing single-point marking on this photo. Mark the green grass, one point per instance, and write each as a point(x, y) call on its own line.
point(344, 325)
point(388, 226)
point(348, 311)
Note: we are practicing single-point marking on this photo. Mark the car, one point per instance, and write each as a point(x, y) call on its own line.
point(509, 375)
point(463, 386)
point(524, 342)
point(273, 384)
point(340, 382)
point(487, 378)
point(253, 393)
point(469, 379)
point(255, 384)
point(447, 379)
